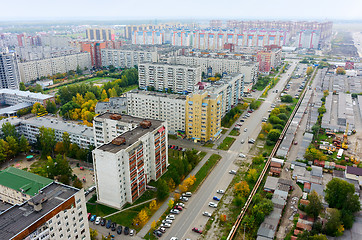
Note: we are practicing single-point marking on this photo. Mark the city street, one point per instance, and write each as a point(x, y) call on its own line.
point(219, 177)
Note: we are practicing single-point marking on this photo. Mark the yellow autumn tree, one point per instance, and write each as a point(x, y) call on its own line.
point(153, 205)
point(182, 187)
point(171, 202)
point(176, 196)
point(171, 184)
point(242, 188)
point(309, 70)
point(143, 217)
point(153, 225)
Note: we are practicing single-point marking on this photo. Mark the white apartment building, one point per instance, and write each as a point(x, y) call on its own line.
point(80, 134)
point(160, 106)
point(13, 97)
point(211, 65)
point(179, 78)
point(57, 212)
point(125, 165)
point(123, 58)
point(36, 69)
point(9, 71)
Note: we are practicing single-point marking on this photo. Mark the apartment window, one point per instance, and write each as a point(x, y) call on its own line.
point(59, 223)
point(81, 219)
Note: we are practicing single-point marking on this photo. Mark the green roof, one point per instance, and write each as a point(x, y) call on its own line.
point(23, 181)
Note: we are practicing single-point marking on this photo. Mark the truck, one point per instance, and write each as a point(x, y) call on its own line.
point(340, 153)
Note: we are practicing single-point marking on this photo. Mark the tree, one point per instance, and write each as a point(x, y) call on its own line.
point(242, 188)
point(23, 144)
point(59, 148)
point(252, 175)
point(22, 86)
point(273, 135)
point(309, 70)
point(66, 142)
point(340, 71)
point(283, 116)
point(171, 184)
point(319, 237)
point(38, 108)
point(13, 146)
point(334, 226)
point(51, 107)
point(315, 207)
point(170, 203)
point(162, 189)
point(79, 70)
point(153, 205)
point(153, 225)
point(93, 234)
point(77, 183)
point(339, 194)
point(104, 95)
point(38, 88)
point(4, 150)
point(143, 217)
point(258, 160)
point(287, 98)
point(47, 140)
point(266, 127)
point(8, 130)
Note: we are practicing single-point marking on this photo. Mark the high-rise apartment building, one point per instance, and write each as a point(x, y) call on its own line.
point(161, 106)
point(269, 58)
point(127, 58)
point(203, 116)
point(57, 212)
point(125, 165)
point(178, 78)
point(99, 34)
point(95, 47)
point(9, 71)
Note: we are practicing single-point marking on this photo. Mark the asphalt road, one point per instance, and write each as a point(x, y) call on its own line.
point(219, 177)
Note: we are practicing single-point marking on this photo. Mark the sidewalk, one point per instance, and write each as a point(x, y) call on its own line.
point(164, 206)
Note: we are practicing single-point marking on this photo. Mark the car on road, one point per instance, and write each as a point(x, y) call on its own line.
point(220, 191)
point(295, 142)
point(206, 214)
point(97, 221)
point(170, 216)
point(232, 172)
point(212, 204)
point(165, 225)
point(242, 141)
point(119, 229)
point(163, 230)
point(197, 230)
point(242, 120)
point(216, 198)
point(157, 233)
point(93, 218)
point(126, 230)
point(174, 211)
point(245, 129)
point(167, 221)
point(180, 204)
point(109, 222)
point(242, 155)
point(185, 199)
point(251, 141)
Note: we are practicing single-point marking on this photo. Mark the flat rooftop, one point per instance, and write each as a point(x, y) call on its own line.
point(19, 217)
point(170, 64)
point(158, 94)
point(125, 118)
point(131, 137)
point(25, 94)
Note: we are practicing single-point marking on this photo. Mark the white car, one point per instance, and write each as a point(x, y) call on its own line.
point(242, 155)
point(169, 221)
point(131, 232)
point(98, 220)
point(220, 191)
point(174, 211)
point(232, 172)
point(185, 199)
point(180, 204)
point(206, 214)
point(212, 204)
point(242, 141)
point(245, 129)
point(172, 217)
point(165, 225)
point(174, 238)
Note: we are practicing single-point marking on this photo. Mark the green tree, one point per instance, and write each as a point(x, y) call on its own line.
point(315, 207)
point(24, 144)
point(51, 107)
point(8, 130)
point(38, 88)
point(4, 150)
point(252, 175)
point(79, 70)
point(286, 98)
point(13, 146)
point(77, 183)
point(162, 190)
point(47, 141)
point(339, 194)
point(273, 135)
point(319, 237)
point(38, 108)
point(22, 86)
point(93, 234)
point(66, 143)
point(333, 227)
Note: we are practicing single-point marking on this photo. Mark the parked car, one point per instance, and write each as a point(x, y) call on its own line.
point(212, 204)
point(197, 230)
point(157, 233)
point(174, 211)
point(131, 232)
point(216, 198)
point(180, 148)
point(242, 141)
point(206, 214)
point(174, 238)
point(178, 208)
point(185, 199)
point(119, 229)
point(97, 221)
point(126, 230)
point(169, 221)
point(187, 194)
point(163, 230)
point(103, 222)
point(232, 172)
point(180, 204)
point(165, 225)
point(113, 226)
point(89, 215)
point(245, 129)
point(242, 155)
point(170, 216)
point(109, 222)
point(242, 120)
point(220, 191)
point(93, 218)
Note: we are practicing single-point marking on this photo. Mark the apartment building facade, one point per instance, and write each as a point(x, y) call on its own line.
point(127, 58)
point(162, 76)
point(203, 116)
point(36, 69)
point(9, 71)
point(105, 34)
point(160, 106)
point(269, 58)
point(125, 165)
point(13, 97)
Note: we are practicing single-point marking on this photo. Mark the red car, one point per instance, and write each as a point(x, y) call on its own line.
point(178, 208)
point(197, 230)
point(89, 216)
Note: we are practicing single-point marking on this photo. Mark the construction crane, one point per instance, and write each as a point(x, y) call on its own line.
point(345, 140)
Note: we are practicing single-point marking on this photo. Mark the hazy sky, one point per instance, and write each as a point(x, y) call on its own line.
point(188, 9)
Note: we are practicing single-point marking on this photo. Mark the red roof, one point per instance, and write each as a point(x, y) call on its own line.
point(340, 166)
point(303, 226)
point(275, 164)
point(303, 202)
point(307, 185)
point(275, 170)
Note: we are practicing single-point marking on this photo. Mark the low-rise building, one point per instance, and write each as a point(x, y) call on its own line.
point(56, 212)
point(18, 186)
point(115, 105)
point(13, 97)
point(125, 165)
point(354, 173)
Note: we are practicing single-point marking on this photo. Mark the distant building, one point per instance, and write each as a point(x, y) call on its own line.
point(9, 71)
point(127, 58)
point(57, 211)
point(13, 97)
point(308, 39)
point(269, 58)
point(124, 166)
point(349, 65)
point(98, 34)
point(114, 105)
point(18, 186)
point(95, 47)
point(215, 23)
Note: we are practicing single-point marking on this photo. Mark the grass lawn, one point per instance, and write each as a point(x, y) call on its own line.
point(209, 144)
point(129, 88)
point(226, 144)
point(205, 170)
point(171, 136)
point(202, 155)
point(224, 131)
point(234, 132)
